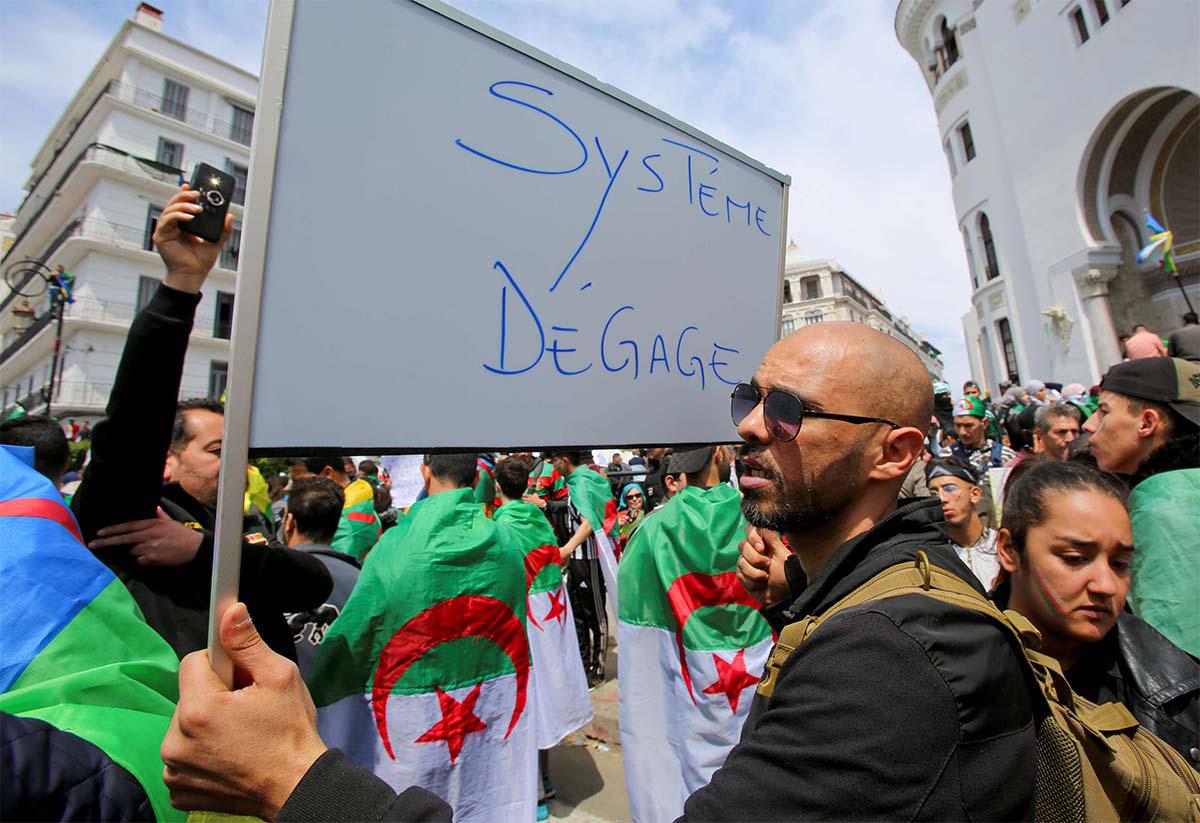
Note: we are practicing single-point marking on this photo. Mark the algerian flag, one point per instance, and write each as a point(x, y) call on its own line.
point(76, 652)
point(693, 647)
point(423, 677)
point(559, 685)
point(592, 497)
point(358, 530)
point(485, 483)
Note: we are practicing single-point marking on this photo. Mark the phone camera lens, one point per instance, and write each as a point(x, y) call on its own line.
point(214, 198)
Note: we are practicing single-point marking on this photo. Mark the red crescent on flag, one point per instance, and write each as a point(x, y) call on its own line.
point(468, 615)
point(696, 591)
point(536, 560)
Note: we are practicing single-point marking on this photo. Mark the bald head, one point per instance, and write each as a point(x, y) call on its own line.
point(852, 369)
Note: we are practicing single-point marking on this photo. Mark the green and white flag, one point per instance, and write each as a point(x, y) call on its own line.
point(559, 684)
point(424, 677)
point(693, 647)
point(591, 496)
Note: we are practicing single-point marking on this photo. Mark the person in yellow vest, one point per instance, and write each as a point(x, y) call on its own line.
point(358, 530)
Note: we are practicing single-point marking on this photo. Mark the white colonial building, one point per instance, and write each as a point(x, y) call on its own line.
point(1063, 121)
point(820, 291)
point(150, 110)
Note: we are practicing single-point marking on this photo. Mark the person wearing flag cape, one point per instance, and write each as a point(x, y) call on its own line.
point(693, 643)
point(424, 677)
point(87, 688)
point(592, 569)
point(559, 683)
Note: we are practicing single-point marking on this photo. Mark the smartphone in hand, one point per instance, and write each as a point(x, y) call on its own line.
point(216, 190)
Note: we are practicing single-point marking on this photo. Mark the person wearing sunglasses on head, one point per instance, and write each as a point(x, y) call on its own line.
point(955, 484)
point(899, 708)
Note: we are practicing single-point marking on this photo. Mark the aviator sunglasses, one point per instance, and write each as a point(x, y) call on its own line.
point(783, 412)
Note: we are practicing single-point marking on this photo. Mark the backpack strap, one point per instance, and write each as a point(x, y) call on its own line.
point(920, 577)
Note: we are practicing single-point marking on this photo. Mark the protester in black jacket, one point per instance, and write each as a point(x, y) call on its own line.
point(158, 539)
point(899, 709)
point(1067, 550)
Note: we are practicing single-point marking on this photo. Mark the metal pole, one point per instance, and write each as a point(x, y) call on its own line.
point(60, 305)
point(1183, 291)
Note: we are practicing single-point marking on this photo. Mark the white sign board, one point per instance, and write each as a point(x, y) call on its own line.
point(469, 244)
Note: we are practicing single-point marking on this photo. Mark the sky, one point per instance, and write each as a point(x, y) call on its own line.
point(818, 89)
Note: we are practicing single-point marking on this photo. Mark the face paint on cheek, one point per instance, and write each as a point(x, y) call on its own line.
point(1044, 591)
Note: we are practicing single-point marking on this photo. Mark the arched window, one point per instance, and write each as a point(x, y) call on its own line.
point(970, 258)
point(989, 246)
point(949, 43)
point(1010, 351)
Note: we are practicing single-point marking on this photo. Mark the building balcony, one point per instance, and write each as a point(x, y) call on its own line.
point(150, 101)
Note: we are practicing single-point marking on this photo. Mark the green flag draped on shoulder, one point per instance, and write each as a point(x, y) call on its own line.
point(693, 645)
point(76, 652)
point(423, 678)
point(559, 684)
point(592, 497)
point(358, 530)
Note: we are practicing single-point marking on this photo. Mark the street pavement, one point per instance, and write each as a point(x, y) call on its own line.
point(587, 769)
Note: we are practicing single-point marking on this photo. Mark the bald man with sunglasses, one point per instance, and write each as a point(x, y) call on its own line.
point(897, 709)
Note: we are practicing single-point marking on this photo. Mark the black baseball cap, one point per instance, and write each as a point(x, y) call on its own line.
point(690, 461)
point(1170, 380)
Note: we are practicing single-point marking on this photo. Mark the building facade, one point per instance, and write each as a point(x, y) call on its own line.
point(1063, 122)
point(819, 291)
point(150, 110)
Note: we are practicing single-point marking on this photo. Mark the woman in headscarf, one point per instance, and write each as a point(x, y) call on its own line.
point(631, 511)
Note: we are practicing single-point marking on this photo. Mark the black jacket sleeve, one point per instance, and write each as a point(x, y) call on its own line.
point(336, 790)
point(123, 481)
point(840, 741)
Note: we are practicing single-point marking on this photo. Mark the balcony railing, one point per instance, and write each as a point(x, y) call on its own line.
point(25, 336)
point(193, 117)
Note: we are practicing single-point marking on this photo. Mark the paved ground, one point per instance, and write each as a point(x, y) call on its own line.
point(587, 769)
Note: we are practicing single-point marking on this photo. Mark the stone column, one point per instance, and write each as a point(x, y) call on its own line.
point(1092, 284)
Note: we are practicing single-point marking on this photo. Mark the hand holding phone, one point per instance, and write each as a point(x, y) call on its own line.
point(216, 190)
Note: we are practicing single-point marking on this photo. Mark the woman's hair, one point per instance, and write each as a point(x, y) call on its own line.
point(1028, 492)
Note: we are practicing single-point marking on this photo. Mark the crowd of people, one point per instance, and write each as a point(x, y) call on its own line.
point(419, 663)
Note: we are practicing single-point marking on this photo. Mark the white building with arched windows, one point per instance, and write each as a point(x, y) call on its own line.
point(1063, 121)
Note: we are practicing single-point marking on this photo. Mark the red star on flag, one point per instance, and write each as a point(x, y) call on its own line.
point(732, 679)
point(458, 721)
point(557, 608)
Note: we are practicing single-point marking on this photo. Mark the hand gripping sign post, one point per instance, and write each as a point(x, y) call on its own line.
point(454, 241)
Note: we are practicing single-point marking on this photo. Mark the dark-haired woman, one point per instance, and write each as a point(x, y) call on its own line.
point(1066, 547)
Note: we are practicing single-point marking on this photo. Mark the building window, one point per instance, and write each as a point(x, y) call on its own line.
point(970, 258)
point(810, 288)
point(175, 99)
point(989, 246)
point(242, 126)
point(1101, 11)
point(223, 321)
point(147, 286)
point(229, 254)
point(950, 159)
point(151, 223)
point(787, 291)
point(1010, 352)
point(949, 43)
point(813, 317)
point(787, 326)
point(170, 153)
point(1081, 31)
point(218, 379)
point(239, 177)
point(968, 143)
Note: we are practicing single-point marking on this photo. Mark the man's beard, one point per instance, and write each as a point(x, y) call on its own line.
point(819, 500)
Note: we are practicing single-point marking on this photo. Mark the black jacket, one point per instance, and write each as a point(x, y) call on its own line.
point(49, 774)
point(336, 790)
point(123, 482)
point(900, 709)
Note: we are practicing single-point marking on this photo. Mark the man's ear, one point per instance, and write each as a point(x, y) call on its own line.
point(899, 450)
point(289, 527)
point(170, 466)
point(1150, 422)
point(976, 494)
point(425, 475)
point(327, 472)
